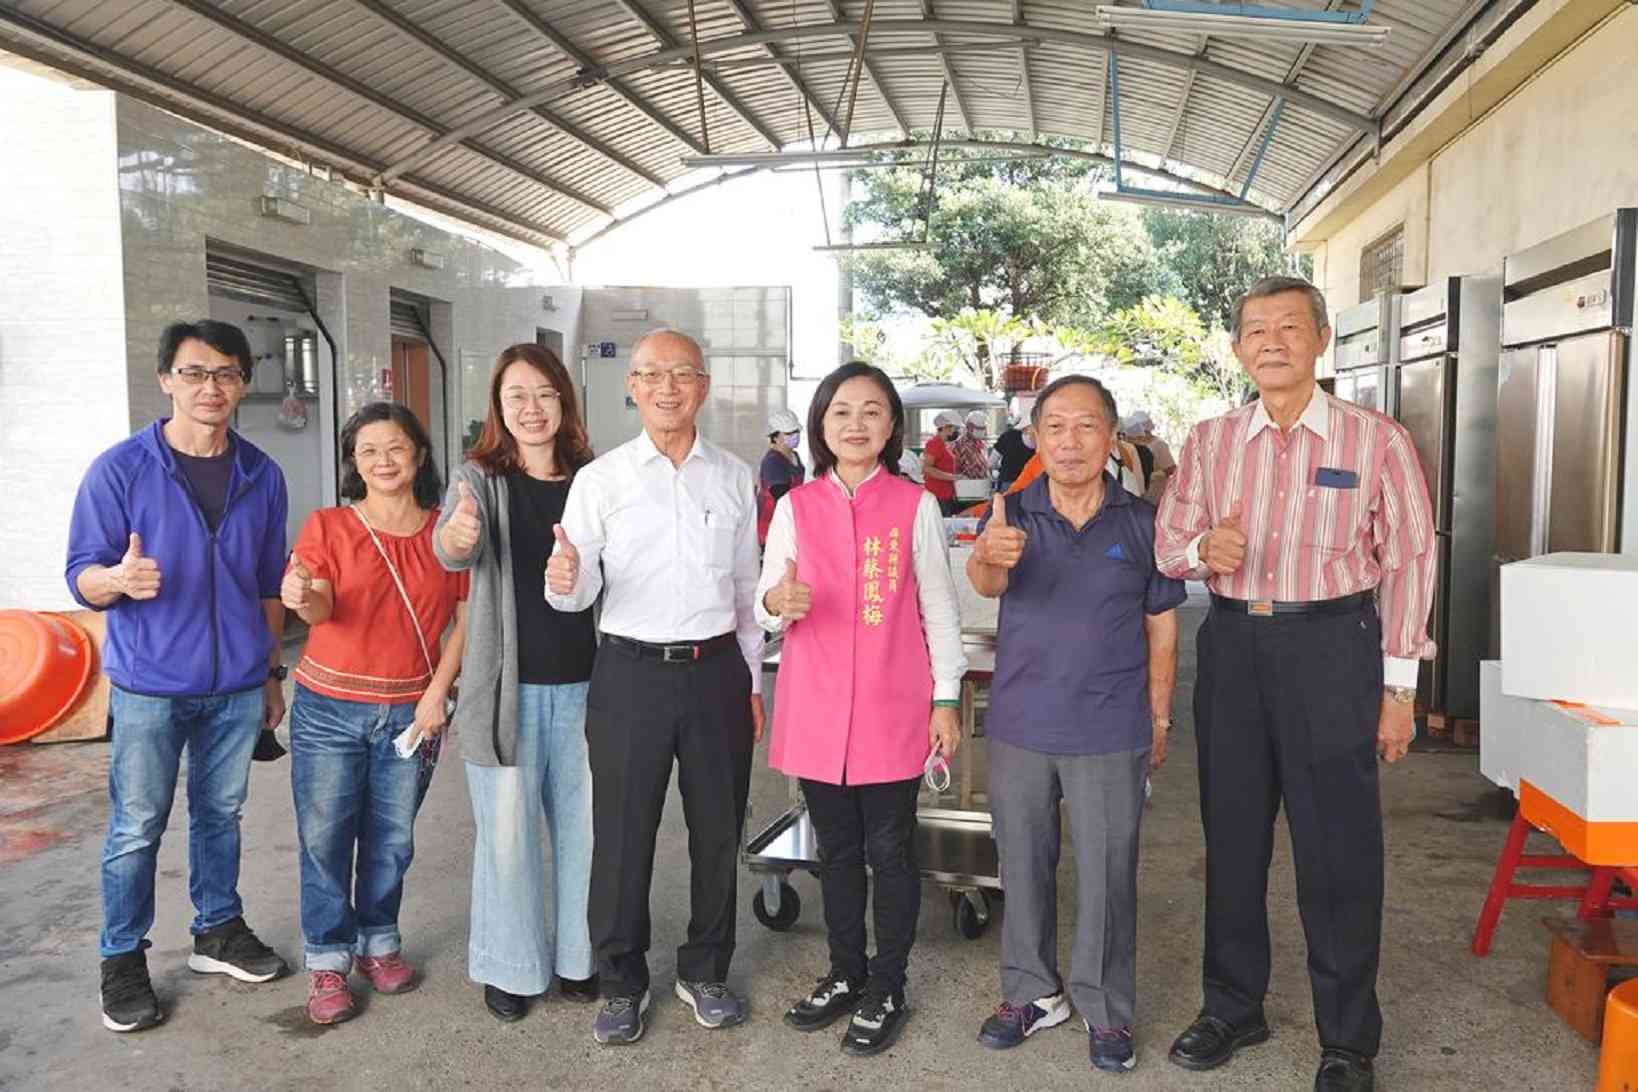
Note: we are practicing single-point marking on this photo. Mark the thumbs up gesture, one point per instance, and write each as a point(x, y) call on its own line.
point(790, 598)
point(1224, 548)
point(563, 567)
point(1000, 546)
point(298, 583)
point(136, 575)
point(462, 531)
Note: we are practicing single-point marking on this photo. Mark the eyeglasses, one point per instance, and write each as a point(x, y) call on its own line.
point(684, 377)
point(519, 399)
point(225, 377)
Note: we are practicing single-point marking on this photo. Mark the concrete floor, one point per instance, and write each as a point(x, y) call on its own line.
point(1453, 1021)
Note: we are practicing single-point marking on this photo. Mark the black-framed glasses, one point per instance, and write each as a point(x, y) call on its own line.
point(195, 376)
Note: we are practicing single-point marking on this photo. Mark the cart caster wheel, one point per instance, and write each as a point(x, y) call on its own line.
point(790, 908)
point(971, 912)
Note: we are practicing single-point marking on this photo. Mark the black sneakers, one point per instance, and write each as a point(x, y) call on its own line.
point(128, 1001)
point(231, 948)
point(832, 997)
point(876, 1022)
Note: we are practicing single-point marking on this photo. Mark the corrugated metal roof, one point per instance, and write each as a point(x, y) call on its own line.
point(386, 90)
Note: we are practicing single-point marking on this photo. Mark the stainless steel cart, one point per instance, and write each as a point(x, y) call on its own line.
point(953, 840)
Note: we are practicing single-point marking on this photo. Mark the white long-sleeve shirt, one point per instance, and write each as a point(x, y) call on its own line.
point(672, 549)
point(935, 585)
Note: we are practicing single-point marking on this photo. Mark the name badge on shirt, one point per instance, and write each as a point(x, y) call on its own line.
point(1332, 478)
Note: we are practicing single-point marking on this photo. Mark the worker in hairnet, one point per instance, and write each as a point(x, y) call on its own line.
point(971, 448)
point(781, 469)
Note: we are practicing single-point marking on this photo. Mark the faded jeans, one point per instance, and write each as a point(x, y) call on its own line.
point(150, 733)
point(516, 945)
point(352, 791)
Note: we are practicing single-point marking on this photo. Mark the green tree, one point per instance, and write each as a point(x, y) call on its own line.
point(1025, 237)
point(1166, 333)
point(1213, 258)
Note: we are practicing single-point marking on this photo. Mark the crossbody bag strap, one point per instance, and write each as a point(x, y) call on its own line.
point(415, 623)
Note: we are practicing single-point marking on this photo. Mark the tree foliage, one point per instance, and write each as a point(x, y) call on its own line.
point(1027, 237)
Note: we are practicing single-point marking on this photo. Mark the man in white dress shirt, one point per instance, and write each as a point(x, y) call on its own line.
point(664, 528)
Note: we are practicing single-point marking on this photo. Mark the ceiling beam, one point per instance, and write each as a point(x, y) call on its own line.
point(489, 118)
point(585, 60)
point(747, 19)
point(949, 72)
point(1291, 74)
point(1182, 106)
point(900, 119)
point(505, 90)
point(65, 52)
point(660, 34)
point(290, 54)
point(1023, 70)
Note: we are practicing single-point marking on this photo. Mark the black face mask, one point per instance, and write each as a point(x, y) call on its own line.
point(268, 748)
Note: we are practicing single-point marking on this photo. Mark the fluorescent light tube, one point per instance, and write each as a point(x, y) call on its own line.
point(1295, 29)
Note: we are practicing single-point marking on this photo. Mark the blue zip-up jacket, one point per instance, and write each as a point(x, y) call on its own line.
point(205, 633)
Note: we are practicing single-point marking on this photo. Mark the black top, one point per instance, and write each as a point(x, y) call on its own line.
point(553, 648)
point(1014, 454)
point(780, 475)
point(208, 477)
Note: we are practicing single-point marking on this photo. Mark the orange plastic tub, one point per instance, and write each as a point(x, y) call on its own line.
point(45, 664)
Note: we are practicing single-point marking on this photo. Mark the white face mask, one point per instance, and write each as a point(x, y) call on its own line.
point(1029, 440)
point(791, 439)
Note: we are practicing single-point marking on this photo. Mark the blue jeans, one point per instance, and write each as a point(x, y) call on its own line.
point(149, 735)
point(352, 792)
point(514, 945)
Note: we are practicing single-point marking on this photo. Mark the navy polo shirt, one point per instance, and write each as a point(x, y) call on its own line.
point(1072, 655)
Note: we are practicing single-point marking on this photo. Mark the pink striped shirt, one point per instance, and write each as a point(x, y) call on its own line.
point(1306, 539)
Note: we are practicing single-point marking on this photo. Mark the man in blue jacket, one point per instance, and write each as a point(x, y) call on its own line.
point(179, 533)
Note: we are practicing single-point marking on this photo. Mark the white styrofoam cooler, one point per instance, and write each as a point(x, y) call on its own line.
point(1583, 757)
point(1568, 626)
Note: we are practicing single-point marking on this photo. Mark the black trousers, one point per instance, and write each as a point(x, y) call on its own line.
point(1286, 709)
point(640, 715)
point(856, 824)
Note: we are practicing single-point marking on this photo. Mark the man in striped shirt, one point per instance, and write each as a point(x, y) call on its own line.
point(1309, 519)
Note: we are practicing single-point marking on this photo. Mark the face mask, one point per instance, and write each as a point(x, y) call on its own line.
point(1029, 440)
point(791, 439)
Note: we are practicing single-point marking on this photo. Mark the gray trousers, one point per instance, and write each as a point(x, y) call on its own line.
point(1105, 798)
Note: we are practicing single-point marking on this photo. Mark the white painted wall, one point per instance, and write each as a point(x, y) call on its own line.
point(1561, 150)
point(63, 395)
point(106, 207)
point(744, 331)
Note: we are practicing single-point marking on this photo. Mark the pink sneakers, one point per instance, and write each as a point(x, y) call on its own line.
point(329, 1001)
point(388, 973)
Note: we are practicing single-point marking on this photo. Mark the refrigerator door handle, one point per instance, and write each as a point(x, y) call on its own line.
point(1541, 500)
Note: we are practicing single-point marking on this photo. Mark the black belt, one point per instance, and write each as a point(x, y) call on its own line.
point(674, 653)
point(1268, 608)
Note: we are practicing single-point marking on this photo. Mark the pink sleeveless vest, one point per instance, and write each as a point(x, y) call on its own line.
point(855, 682)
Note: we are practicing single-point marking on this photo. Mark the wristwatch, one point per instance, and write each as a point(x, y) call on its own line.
point(280, 673)
point(1163, 723)
point(1404, 695)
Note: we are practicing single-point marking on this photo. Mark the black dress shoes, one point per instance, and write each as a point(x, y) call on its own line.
point(1209, 1042)
point(1342, 1071)
point(507, 1007)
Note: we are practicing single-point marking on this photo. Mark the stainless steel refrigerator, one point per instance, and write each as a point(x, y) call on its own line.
point(1445, 396)
point(1367, 341)
point(1564, 416)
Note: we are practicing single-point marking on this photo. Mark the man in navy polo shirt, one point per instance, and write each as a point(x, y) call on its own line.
point(1086, 659)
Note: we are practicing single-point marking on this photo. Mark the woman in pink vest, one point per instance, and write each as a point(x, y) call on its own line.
point(857, 578)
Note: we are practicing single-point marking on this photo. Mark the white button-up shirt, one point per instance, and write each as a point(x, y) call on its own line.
point(672, 549)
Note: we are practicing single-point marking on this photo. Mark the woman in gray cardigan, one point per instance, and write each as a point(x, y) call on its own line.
point(521, 717)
